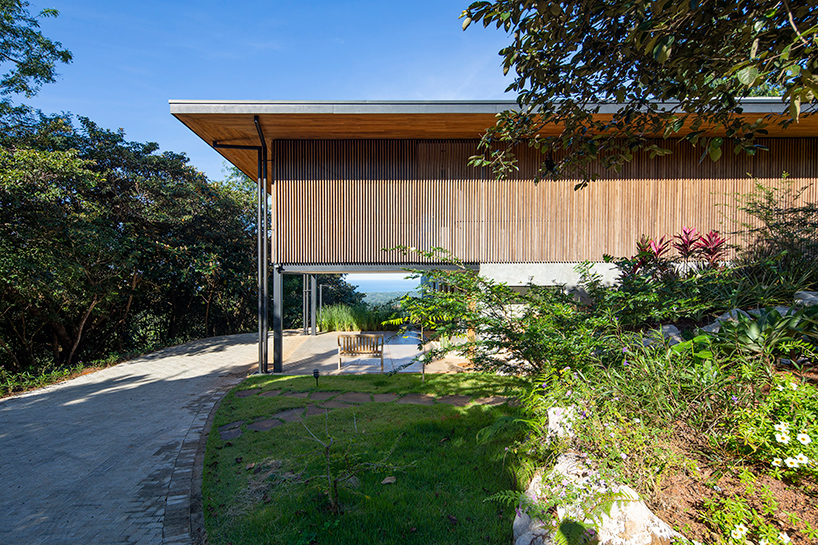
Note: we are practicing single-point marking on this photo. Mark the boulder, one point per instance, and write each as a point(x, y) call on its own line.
point(806, 298)
point(669, 334)
point(731, 316)
point(629, 521)
point(782, 310)
point(559, 422)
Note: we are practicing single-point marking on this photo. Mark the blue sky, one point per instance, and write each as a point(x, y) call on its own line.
point(130, 58)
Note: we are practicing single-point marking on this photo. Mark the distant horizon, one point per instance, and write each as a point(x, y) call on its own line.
point(382, 283)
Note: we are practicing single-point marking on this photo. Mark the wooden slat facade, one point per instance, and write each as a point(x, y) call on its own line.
point(342, 201)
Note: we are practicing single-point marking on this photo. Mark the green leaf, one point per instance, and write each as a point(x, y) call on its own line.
point(795, 107)
point(747, 75)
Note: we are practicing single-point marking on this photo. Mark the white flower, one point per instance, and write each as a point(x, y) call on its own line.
point(804, 439)
point(637, 420)
point(739, 532)
point(793, 386)
point(777, 462)
point(784, 537)
point(783, 427)
point(801, 459)
point(779, 388)
point(782, 438)
point(791, 462)
point(763, 541)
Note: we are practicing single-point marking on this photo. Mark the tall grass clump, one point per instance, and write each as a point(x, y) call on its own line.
point(354, 318)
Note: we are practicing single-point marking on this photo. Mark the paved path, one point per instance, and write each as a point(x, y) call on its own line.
point(108, 457)
point(322, 402)
point(321, 352)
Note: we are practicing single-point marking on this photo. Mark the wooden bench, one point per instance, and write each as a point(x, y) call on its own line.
point(360, 344)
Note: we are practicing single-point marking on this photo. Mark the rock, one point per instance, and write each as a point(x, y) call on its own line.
point(669, 334)
point(559, 422)
point(629, 522)
point(731, 316)
point(806, 298)
point(782, 310)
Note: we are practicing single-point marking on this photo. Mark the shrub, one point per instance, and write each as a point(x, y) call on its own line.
point(780, 433)
point(354, 318)
point(499, 328)
point(782, 231)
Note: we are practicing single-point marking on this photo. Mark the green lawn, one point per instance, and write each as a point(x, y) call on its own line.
point(273, 486)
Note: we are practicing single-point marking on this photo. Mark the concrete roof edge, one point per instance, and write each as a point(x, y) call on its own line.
point(338, 107)
point(763, 105)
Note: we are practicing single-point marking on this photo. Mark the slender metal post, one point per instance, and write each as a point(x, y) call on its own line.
point(262, 337)
point(278, 310)
point(305, 309)
point(262, 242)
point(264, 251)
point(266, 311)
point(313, 289)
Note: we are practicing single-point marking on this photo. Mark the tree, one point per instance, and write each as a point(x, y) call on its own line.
point(664, 65)
point(29, 56)
point(107, 245)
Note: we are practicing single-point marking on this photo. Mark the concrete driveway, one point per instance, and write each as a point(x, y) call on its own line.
point(108, 457)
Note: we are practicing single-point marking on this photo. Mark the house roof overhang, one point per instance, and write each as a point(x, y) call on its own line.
point(231, 122)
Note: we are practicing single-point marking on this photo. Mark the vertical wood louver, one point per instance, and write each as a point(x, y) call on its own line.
point(343, 201)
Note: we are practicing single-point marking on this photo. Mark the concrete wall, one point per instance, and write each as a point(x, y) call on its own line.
point(544, 274)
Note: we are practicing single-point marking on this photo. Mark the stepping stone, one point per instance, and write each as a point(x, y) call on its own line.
point(457, 401)
point(493, 401)
point(231, 425)
point(300, 395)
point(384, 398)
point(270, 393)
point(335, 405)
point(290, 415)
point(416, 399)
point(227, 435)
point(322, 396)
point(313, 410)
point(354, 397)
point(248, 393)
point(265, 425)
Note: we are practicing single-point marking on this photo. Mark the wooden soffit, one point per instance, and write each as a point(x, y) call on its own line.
point(232, 122)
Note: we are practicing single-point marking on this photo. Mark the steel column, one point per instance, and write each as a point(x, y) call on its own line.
point(264, 251)
point(262, 334)
point(278, 309)
point(313, 289)
point(305, 308)
point(262, 244)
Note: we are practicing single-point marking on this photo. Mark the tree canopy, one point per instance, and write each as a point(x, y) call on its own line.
point(108, 245)
point(29, 57)
point(667, 65)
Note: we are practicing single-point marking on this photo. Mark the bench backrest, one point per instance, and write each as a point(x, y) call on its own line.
point(361, 343)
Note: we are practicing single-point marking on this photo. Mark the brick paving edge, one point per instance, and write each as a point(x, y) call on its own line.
point(183, 522)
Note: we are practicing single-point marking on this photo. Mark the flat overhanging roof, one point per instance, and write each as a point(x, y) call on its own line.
point(231, 122)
